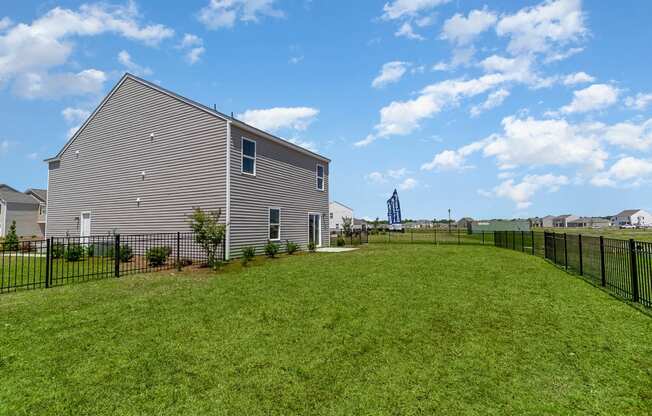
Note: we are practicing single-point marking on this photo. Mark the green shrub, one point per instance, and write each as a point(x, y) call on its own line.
point(291, 247)
point(57, 250)
point(209, 233)
point(90, 251)
point(74, 253)
point(126, 253)
point(341, 242)
point(158, 256)
point(12, 243)
point(248, 253)
point(271, 249)
point(312, 247)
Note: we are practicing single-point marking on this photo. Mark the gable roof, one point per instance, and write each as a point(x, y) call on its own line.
point(342, 205)
point(211, 111)
point(627, 213)
point(9, 194)
point(40, 194)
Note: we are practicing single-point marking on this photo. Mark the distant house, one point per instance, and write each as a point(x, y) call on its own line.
point(26, 209)
point(634, 217)
point(563, 220)
point(589, 222)
point(41, 196)
point(547, 221)
point(360, 224)
point(337, 212)
point(464, 222)
point(418, 224)
point(498, 225)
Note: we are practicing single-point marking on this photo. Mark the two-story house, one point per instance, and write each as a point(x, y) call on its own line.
point(26, 209)
point(632, 217)
point(337, 213)
point(147, 156)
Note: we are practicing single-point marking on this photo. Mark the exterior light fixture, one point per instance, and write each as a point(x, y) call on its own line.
point(142, 174)
point(151, 137)
point(138, 201)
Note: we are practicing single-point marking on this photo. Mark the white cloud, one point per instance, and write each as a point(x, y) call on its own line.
point(626, 172)
point(452, 159)
point(542, 28)
point(629, 135)
point(639, 102)
point(44, 85)
point(125, 59)
point(397, 9)
point(28, 51)
point(461, 57)
point(75, 115)
point(577, 78)
point(32, 156)
point(384, 177)
point(4, 147)
point(494, 100)
point(391, 72)
point(5, 23)
point(595, 97)
point(224, 13)
point(523, 192)
point(533, 142)
point(272, 119)
point(561, 55)
point(312, 146)
point(296, 59)
point(193, 46)
point(406, 31)
point(462, 30)
point(408, 184)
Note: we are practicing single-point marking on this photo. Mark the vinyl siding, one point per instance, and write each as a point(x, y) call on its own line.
point(285, 178)
point(25, 216)
point(185, 166)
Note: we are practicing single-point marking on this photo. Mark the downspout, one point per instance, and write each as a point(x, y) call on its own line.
point(227, 253)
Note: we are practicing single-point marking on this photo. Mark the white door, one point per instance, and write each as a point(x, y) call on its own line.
point(85, 227)
point(314, 229)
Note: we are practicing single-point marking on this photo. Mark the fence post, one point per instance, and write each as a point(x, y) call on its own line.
point(632, 257)
point(435, 235)
point(532, 234)
point(483, 238)
point(554, 246)
point(458, 236)
point(523, 241)
point(565, 252)
point(579, 243)
point(411, 236)
point(178, 251)
point(389, 236)
point(48, 261)
point(116, 255)
point(603, 274)
point(513, 240)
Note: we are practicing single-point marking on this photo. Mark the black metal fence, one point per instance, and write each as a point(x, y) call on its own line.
point(451, 235)
point(355, 238)
point(63, 260)
point(623, 267)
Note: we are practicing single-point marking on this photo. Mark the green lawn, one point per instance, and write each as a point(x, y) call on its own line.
point(386, 330)
point(636, 234)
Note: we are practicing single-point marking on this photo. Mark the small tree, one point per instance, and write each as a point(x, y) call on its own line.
point(12, 243)
point(347, 225)
point(209, 233)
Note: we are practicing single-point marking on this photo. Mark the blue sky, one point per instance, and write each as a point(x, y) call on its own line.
point(490, 108)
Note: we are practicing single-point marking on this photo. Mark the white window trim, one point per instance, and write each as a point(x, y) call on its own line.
point(269, 223)
point(323, 178)
point(242, 155)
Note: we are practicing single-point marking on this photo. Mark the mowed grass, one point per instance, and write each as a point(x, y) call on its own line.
point(643, 234)
point(386, 330)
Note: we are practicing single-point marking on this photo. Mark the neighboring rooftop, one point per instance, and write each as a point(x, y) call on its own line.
point(9, 194)
point(627, 212)
point(41, 194)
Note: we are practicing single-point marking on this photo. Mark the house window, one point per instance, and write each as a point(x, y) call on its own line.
point(274, 224)
point(248, 156)
point(41, 209)
point(331, 215)
point(320, 177)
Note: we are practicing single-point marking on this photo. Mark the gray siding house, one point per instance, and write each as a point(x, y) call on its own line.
point(25, 209)
point(147, 156)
